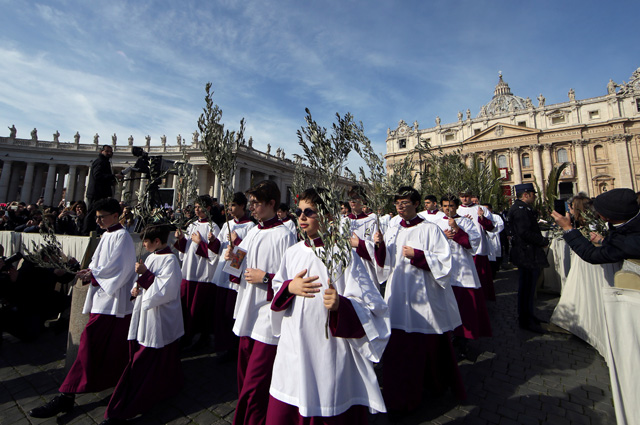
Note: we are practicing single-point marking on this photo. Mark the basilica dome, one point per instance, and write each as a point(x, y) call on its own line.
point(503, 101)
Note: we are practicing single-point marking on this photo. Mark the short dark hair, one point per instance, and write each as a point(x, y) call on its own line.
point(283, 207)
point(239, 198)
point(204, 201)
point(358, 192)
point(405, 192)
point(265, 191)
point(156, 231)
point(346, 205)
point(449, 197)
point(109, 205)
point(105, 147)
point(488, 205)
point(431, 198)
point(314, 196)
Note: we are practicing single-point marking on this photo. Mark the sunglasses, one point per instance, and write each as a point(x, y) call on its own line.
point(308, 212)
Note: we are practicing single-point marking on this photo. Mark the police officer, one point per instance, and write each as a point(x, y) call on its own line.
point(527, 253)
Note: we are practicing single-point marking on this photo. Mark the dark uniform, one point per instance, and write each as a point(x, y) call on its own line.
point(528, 255)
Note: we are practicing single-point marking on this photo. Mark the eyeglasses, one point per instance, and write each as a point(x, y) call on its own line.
point(402, 203)
point(308, 212)
point(101, 217)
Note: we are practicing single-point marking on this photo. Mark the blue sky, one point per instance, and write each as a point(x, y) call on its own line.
point(140, 67)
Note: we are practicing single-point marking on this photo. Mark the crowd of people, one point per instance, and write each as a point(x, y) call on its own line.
point(250, 284)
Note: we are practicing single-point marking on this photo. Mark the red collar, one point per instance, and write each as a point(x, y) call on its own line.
point(243, 220)
point(317, 242)
point(414, 221)
point(447, 218)
point(272, 222)
point(432, 212)
point(203, 220)
point(352, 216)
point(165, 250)
point(115, 227)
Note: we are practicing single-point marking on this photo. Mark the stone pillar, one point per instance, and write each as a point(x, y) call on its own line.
point(583, 185)
point(50, 185)
point(537, 165)
point(203, 175)
point(217, 188)
point(236, 178)
point(515, 163)
point(27, 183)
point(117, 192)
point(57, 195)
point(36, 192)
point(14, 181)
point(4, 181)
point(81, 185)
point(71, 185)
point(624, 177)
point(547, 162)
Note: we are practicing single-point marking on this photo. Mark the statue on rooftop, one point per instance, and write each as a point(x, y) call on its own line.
point(12, 131)
point(76, 137)
point(438, 120)
point(572, 95)
point(96, 139)
point(114, 139)
point(268, 148)
point(34, 134)
point(130, 139)
point(194, 138)
point(56, 137)
point(163, 140)
point(541, 101)
point(179, 140)
point(468, 113)
point(611, 87)
point(251, 142)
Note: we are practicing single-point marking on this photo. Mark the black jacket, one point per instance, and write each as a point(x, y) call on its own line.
point(622, 242)
point(527, 240)
point(101, 179)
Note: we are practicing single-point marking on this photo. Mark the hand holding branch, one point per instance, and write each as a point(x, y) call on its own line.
point(331, 298)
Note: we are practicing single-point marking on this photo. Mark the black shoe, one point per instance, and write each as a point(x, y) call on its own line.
point(533, 327)
point(113, 421)
point(59, 404)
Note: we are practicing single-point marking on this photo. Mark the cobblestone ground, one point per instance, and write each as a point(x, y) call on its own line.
point(518, 378)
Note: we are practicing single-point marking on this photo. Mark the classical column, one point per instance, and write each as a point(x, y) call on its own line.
point(57, 195)
point(71, 185)
point(36, 192)
point(4, 181)
point(515, 163)
point(81, 185)
point(118, 189)
point(583, 186)
point(625, 172)
point(203, 174)
point(547, 162)
point(50, 185)
point(16, 173)
point(236, 178)
point(537, 165)
point(27, 183)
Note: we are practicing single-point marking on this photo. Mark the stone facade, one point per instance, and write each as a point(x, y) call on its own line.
point(599, 137)
point(32, 168)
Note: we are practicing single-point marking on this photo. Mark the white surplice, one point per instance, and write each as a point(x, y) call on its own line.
point(326, 376)
point(220, 277)
point(463, 270)
point(113, 267)
point(472, 211)
point(196, 268)
point(157, 313)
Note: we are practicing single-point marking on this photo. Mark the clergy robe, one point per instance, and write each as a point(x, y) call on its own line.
point(481, 254)
point(365, 227)
point(318, 376)
point(197, 291)
point(154, 372)
point(102, 353)
point(465, 281)
point(431, 215)
point(423, 311)
point(265, 245)
point(290, 224)
point(226, 292)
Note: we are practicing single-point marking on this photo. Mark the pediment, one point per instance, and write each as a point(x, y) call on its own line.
point(502, 131)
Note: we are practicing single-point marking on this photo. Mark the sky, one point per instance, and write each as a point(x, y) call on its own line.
point(140, 67)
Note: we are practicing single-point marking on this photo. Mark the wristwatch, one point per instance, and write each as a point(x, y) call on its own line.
point(265, 279)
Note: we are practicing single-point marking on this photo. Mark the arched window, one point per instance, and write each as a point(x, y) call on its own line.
point(502, 161)
point(562, 155)
point(599, 153)
point(525, 160)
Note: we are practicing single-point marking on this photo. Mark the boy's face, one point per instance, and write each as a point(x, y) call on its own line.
point(282, 214)
point(465, 198)
point(344, 210)
point(356, 205)
point(151, 245)
point(449, 208)
point(308, 223)
point(429, 205)
point(236, 210)
point(405, 208)
point(106, 219)
point(201, 212)
point(261, 210)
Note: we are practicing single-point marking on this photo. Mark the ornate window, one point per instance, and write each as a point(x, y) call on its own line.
point(526, 160)
point(562, 155)
point(402, 143)
point(599, 153)
point(502, 161)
